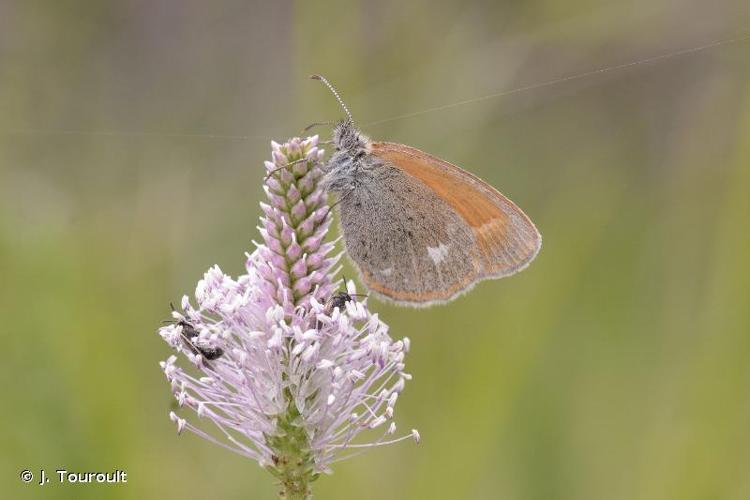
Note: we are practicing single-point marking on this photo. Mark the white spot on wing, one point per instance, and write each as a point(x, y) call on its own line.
point(387, 271)
point(438, 253)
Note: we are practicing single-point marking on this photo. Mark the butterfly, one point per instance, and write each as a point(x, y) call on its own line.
point(420, 230)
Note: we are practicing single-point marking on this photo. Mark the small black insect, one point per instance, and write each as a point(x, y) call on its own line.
point(338, 299)
point(189, 334)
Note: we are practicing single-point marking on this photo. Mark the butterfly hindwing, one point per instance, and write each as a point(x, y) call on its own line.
point(409, 245)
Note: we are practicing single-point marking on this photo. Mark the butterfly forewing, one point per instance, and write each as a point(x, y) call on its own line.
point(506, 238)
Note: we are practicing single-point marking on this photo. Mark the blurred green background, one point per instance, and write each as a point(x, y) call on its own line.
point(132, 135)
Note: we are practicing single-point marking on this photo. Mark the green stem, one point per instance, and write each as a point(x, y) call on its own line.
point(295, 492)
point(292, 458)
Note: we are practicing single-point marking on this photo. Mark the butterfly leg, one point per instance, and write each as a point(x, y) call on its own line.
point(342, 198)
point(315, 124)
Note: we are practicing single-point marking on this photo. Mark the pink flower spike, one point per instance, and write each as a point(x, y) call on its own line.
point(283, 380)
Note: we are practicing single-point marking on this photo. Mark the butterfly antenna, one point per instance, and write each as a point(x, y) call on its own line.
point(335, 94)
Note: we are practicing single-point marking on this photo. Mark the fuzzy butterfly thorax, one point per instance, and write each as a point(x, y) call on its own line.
point(345, 169)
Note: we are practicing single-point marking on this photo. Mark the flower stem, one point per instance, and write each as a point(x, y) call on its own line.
point(292, 458)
